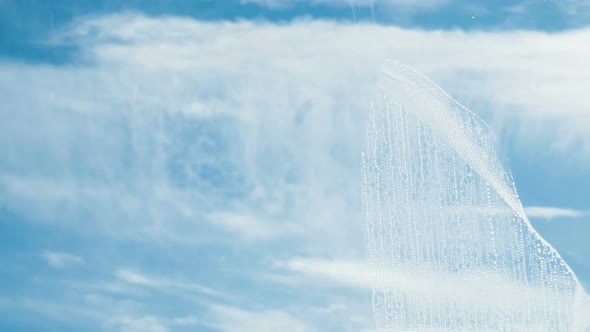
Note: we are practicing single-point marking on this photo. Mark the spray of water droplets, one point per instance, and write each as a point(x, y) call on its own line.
point(448, 237)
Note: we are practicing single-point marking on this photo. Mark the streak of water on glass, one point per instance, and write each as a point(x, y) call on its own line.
point(452, 247)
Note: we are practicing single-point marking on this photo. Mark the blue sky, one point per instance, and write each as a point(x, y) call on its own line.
point(195, 165)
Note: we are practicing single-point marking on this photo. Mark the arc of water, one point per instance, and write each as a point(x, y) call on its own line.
point(450, 127)
point(413, 192)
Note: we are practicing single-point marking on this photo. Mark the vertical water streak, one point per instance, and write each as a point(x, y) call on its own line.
point(452, 247)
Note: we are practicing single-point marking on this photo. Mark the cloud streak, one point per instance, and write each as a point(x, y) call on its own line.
point(140, 279)
point(549, 213)
point(229, 319)
point(61, 259)
point(465, 291)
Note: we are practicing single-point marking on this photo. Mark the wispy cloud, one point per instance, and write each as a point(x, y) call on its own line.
point(141, 324)
point(231, 319)
point(104, 314)
point(61, 259)
point(253, 228)
point(464, 290)
point(547, 212)
point(136, 278)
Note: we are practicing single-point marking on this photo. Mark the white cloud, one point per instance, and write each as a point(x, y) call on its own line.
point(186, 321)
point(546, 212)
point(95, 312)
point(232, 319)
point(534, 74)
point(136, 278)
point(58, 311)
point(61, 259)
point(252, 228)
point(465, 290)
point(142, 324)
point(342, 272)
point(173, 122)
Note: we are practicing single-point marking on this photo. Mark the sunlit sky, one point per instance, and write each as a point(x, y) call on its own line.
point(195, 165)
